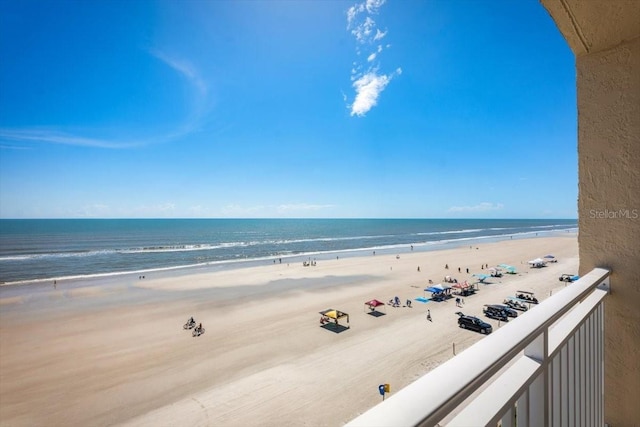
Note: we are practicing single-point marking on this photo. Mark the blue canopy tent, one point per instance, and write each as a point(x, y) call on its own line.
point(481, 277)
point(439, 292)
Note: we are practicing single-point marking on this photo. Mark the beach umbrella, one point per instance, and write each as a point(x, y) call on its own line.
point(481, 277)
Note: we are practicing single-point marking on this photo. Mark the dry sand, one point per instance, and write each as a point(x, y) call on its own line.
point(113, 352)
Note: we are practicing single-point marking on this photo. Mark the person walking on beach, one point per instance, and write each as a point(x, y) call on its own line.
point(429, 316)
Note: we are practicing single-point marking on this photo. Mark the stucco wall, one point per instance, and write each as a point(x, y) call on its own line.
point(609, 211)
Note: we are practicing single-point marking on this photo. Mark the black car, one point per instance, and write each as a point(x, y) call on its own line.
point(473, 323)
point(495, 312)
point(509, 311)
point(515, 305)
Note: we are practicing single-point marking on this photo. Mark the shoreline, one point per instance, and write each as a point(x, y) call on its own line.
point(231, 264)
point(115, 353)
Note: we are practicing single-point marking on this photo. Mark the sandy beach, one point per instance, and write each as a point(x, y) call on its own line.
point(113, 352)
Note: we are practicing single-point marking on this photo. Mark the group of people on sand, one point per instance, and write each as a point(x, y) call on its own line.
point(191, 323)
point(395, 302)
point(327, 319)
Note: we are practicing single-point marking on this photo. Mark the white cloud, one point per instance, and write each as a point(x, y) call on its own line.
point(237, 210)
point(161, 210)
point(367, 80)
point(482, 207)
point(298, 207)
point(372, 6)
point(102, 210)
point(368, 88)
point(363, 31)
point(96, 210)
point(273, 211)
point(379, 35)
point(352, 12)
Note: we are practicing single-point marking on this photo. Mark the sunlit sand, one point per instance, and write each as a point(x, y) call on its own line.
point(105, 352)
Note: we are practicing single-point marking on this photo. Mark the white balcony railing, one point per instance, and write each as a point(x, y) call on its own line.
point(546, 368)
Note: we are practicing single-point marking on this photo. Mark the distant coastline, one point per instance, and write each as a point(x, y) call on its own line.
point(36, 251)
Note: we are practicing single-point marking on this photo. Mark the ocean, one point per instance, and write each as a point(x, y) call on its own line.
point(48, 249)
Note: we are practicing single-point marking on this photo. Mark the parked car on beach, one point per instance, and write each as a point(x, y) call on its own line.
point(473, 323)
point(515, 304)
point(495, 312)
point(508, 310)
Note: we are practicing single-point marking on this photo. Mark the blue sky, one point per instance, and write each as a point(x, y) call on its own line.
point(313, 109)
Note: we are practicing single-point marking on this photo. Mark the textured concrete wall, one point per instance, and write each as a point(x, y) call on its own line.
point(609, 211)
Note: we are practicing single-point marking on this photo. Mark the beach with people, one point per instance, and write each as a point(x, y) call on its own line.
point(116, 350)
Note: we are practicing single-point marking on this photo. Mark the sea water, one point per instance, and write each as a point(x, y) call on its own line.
point(35, 249)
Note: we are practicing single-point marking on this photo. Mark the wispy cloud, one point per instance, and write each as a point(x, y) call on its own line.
point(191, 123)
point(12, 147)
point(379, 35)
point(302, 207)
point(185, 68)
point(199, 101)
point(482, 207)
point(166, 209)
point(367, 80)
point(267, 211)
point(95, 210)
point(54, 136)
point(237, 210)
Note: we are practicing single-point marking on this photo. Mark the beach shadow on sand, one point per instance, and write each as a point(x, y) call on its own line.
point(334, 328)
point(376, 314)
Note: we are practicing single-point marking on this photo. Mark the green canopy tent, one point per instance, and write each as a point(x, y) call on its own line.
point(508, 268)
